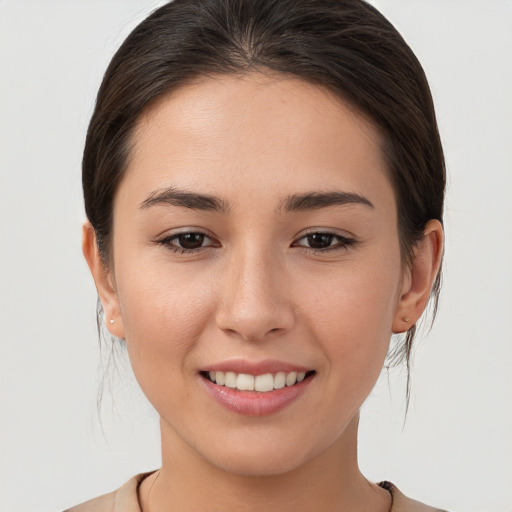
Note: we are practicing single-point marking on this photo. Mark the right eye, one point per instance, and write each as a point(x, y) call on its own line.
point(186, 242)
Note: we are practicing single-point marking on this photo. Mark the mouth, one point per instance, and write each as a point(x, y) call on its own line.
point(264, 383)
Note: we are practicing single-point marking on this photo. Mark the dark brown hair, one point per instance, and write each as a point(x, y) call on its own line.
point(344, 45)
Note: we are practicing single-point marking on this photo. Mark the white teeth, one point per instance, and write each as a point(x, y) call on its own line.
point(291, 378)
point(220, 378)
point(264, 382)
point(245, 382)
point(230, 380)
point(279, 380)
point(261, 383)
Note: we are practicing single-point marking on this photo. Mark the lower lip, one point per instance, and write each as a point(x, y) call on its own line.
point(254, 403)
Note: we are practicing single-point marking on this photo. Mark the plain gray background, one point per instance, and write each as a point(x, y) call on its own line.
point(455, 450)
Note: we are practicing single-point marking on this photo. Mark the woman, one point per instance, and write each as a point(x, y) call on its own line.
point(264, 188)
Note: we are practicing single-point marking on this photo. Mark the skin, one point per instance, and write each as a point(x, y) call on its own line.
point(257, 290)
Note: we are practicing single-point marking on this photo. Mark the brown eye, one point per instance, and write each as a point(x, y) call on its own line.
point(319, 240)
point(190, 240)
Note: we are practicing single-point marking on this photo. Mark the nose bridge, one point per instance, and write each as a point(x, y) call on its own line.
point(254, 303)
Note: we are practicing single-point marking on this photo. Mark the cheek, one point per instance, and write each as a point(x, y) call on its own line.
point(354, 326)
point(353, 332)
point(164, 314)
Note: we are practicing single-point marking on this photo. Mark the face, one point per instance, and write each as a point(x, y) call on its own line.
point(255, 237)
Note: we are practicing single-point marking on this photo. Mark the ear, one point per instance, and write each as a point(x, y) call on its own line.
point(104, 280)
point(419, 278)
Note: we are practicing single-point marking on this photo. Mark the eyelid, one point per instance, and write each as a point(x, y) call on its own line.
point(346, 235)
point(345, 240)
point(166, 239)
point(183, 230)
point(328, 231)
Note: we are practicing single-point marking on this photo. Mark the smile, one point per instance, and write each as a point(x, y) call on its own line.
point(260, 383)
point(256, 395)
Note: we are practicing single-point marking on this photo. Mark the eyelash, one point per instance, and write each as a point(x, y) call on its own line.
point(342, 244)
point(167, 242)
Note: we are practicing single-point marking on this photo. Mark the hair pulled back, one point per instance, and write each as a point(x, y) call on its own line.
point(344, 45)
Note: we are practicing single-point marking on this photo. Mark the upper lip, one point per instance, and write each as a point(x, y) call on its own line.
point(254, 367)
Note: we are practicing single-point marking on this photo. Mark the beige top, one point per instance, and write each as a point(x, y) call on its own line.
point(126, 499)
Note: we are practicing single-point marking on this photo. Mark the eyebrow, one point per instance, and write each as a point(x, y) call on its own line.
point(317, 200)
point(192, 200)
point(294, 202)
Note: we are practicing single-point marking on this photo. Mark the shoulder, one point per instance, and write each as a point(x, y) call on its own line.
point(402, 503)
point(103, 503)
point(124, 499)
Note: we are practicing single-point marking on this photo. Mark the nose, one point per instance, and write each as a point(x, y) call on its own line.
point(255, 304)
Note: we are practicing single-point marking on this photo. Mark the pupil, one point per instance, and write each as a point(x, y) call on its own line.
point(191, 240)
point(319, 240)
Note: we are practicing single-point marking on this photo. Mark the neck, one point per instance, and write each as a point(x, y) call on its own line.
point(331, 482)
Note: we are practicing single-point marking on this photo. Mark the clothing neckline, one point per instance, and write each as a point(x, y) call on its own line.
point(385, 484)
point(126, 499)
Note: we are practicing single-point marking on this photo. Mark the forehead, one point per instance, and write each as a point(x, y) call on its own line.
point(273, 100)
point(255, 130)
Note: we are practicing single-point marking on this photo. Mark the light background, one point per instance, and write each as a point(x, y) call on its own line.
point(455, 450)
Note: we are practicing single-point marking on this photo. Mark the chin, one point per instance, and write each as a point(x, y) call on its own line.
point(256, 456)
point(260, 465)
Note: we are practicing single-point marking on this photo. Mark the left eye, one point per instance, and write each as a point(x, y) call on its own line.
point(319, 241)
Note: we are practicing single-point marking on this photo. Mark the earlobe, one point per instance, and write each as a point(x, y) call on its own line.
point(104, 281)
point(420, 277)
